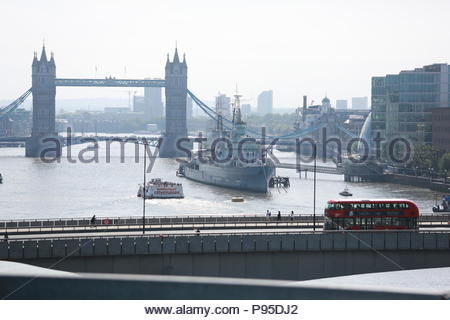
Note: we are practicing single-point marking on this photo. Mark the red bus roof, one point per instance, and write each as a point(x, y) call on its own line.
point(411, 203)
point(369, 200)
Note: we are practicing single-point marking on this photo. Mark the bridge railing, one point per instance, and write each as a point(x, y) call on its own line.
point(155, 222)
point(72, 222)
point(136, 225)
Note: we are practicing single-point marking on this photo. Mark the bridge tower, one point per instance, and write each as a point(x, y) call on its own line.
point(176, 92)
point(44, 92)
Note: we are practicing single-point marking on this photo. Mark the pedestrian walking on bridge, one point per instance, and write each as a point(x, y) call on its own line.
point(93, 219)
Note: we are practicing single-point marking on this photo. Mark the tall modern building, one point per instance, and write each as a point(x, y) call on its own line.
point(223, 105)
point(360, 103)
point(265, 102)
point(402, 103)
point(154, 108)
point(341, 104)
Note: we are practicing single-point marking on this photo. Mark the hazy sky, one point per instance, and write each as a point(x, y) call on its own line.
point(293, 47)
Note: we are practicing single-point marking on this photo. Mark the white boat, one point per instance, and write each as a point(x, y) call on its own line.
point(158, 189)
point(346, 193)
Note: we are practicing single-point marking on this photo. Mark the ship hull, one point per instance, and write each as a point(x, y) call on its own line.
point(254, 179)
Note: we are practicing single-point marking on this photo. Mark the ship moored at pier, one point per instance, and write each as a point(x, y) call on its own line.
point(236, 165)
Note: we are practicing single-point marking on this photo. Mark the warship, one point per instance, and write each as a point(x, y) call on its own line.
point(219, 161)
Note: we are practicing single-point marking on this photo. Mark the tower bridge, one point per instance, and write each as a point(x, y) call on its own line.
point(43, 90)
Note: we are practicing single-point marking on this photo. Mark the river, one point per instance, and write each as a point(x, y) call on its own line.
point(33, 189)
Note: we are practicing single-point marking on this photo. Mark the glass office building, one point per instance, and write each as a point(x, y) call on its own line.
point(402, 103)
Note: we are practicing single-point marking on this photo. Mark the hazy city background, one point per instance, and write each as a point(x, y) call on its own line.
point(291, 47)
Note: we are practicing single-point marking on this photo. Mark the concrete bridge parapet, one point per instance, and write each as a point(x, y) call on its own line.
point(293, 256)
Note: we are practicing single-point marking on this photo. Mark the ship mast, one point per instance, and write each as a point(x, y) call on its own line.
point(237, 117)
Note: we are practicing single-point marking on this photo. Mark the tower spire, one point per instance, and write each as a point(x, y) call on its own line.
point(167, 62)
point(176, 59)
point(52, 59)
point(43, 55)
point(35, 60)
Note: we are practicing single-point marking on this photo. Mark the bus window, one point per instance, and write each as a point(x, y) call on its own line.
point(396, 222)
point(349, 222)
point(346, 223)
point(406, 222)
point(364, 223)
point(377, 222)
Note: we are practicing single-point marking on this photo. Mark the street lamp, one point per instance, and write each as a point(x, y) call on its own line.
point(314, 202)
point(145, 144)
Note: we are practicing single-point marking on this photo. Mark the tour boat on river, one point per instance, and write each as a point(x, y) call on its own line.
point(158, 189)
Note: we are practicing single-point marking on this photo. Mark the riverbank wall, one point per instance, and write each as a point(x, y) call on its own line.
point(422, 182)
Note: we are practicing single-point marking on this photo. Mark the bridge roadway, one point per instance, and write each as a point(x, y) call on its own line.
point(176, 223)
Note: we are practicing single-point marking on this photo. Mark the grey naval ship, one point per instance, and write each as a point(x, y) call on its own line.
point(219, 162)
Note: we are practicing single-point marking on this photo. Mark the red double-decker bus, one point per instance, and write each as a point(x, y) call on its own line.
point(371, 214)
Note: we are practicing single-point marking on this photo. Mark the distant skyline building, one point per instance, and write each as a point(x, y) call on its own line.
point(341, 104)
point(326, 105)
point(116, 110)
point(360, 103)
point(154, 107)
point(402, 103)
point(138, 103)
point(246, 109)
point(150, 103)
point(223, 105)
point(265, 102)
